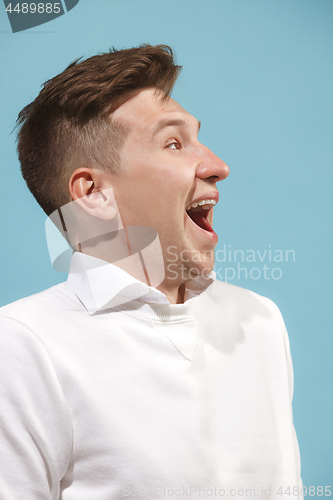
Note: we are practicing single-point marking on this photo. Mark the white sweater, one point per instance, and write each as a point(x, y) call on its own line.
point(145, 400)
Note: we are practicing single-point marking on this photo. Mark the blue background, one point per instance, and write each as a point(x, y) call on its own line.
point(259, 75)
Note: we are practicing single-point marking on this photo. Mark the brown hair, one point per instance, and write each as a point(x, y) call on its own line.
point(68, 125)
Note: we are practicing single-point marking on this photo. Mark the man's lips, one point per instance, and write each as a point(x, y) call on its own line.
point(199, 209)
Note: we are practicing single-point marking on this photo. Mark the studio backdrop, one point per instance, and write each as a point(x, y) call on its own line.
point(258, 74)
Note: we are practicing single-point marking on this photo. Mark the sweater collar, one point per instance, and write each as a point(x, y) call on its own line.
point(101, 285)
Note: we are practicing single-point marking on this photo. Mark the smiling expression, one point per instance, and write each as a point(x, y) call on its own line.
point(168, 180)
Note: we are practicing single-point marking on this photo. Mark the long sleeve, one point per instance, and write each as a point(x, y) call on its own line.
point(36, 432)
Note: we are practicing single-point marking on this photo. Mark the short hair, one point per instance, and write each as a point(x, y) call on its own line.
point(69, 124)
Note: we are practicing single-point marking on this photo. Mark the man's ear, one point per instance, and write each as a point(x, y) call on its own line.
point(89, 188)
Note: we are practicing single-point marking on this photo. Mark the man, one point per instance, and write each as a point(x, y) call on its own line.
point(126, 381)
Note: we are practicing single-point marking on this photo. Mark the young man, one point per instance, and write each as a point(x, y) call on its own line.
point(136, 378)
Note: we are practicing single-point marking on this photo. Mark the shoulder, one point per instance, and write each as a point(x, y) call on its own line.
point(229, 300)
point(46, 304)
point(232, 316)
point(32, 326)
point(222, 291)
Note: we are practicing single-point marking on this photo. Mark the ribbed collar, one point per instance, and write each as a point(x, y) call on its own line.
point(101, 285)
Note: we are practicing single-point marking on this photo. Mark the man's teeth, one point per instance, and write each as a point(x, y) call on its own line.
point(203, 204)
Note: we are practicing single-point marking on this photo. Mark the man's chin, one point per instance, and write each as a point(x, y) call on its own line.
point(196, 269)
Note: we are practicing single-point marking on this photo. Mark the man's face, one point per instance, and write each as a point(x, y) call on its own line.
point(165, 170)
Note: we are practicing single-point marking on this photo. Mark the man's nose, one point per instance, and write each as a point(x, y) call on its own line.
point(211, 166)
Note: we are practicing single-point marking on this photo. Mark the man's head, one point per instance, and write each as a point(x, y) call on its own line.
point(70, 123)
point(109, 122)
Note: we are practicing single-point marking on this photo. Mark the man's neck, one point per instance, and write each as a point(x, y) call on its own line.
point(117, 252)
point(175, 295)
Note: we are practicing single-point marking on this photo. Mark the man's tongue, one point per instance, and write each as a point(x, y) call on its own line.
point(200, 218)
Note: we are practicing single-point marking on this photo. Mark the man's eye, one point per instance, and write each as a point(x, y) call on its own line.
point(174, 145)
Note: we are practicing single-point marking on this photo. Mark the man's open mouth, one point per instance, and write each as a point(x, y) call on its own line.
point(199, 211)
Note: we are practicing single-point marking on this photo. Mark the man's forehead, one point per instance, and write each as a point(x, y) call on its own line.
point(150, 108)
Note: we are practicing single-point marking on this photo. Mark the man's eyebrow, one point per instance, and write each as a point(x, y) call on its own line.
point(172, 122)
